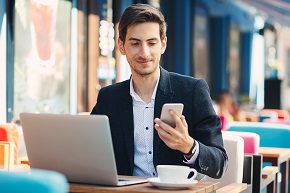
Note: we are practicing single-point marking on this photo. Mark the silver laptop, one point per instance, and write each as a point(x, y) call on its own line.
point(79, 146)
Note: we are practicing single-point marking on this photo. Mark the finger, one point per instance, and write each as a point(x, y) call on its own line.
point(183, 121)
point(176, 119)
point(160, 130)
point(163, 134)
point(164, 126)
point(158, 126)
point(165, 130)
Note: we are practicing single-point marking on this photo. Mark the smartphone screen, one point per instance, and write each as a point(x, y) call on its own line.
point(165, 115)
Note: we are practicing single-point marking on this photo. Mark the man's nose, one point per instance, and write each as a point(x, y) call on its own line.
point(144, 52)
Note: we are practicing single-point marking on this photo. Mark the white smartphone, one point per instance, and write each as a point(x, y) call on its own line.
point(165, 115)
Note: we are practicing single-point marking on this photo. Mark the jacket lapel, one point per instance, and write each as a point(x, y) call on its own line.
point(126, 115)
point(164, 94)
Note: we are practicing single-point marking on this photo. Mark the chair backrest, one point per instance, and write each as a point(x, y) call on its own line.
point(234, 146)
point(253, 173)
point(40, 181)
point(281, 114)
point(9, 132)
point(257, 173)
point(251, 116)
point(267, 115)
point(251, 141)
point(281, 121)
point(224, 122)
point(248, 177)
point(271, 134)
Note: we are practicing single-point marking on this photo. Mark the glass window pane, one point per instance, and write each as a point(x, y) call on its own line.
point(41, 56)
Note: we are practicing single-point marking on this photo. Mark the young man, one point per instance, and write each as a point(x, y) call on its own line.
point(141, 140)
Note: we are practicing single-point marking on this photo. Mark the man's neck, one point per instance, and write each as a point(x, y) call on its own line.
point(144, 86)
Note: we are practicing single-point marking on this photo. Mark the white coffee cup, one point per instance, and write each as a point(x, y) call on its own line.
point(175, 173)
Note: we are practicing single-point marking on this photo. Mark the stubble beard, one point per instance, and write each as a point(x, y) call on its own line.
point(145, 72)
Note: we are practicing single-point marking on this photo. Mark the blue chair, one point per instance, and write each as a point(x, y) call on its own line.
point(271, 134)
point(40, 181)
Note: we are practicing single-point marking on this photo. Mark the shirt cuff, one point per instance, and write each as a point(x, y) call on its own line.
point(192, 160)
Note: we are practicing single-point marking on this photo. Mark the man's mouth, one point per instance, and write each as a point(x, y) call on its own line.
point(143, 61)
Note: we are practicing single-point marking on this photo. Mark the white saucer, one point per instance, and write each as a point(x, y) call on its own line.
point(171, 186)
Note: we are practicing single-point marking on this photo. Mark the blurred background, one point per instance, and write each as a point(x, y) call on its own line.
point(55, 55)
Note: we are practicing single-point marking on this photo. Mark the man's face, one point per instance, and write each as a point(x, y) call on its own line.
point(143, 48)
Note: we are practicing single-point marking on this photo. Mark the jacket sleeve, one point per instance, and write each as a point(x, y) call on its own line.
point(206, 129)
point(97, 108)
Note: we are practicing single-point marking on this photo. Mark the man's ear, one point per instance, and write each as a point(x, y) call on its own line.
point(163, 45)
point(121, 46)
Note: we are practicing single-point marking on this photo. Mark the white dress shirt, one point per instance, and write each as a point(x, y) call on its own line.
point(143, 135)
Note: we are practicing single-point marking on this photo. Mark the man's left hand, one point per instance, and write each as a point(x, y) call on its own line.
point(176, 138)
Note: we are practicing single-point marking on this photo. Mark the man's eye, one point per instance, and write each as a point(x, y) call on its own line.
point(152, 43)
point(135, 44)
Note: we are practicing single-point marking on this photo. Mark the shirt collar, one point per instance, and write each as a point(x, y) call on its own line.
point(136, 97)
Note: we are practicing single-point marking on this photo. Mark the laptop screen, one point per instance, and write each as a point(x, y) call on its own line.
point(78, 146)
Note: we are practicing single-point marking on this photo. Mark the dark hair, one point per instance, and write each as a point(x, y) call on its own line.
point(141, 13)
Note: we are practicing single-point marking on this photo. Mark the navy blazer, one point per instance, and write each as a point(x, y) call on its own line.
point(204, 125)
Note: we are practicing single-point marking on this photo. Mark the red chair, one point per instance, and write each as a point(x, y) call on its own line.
point(281, 121)
point(9, 137)
point(282, 114)
point(252, 141)
point(224, 122)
